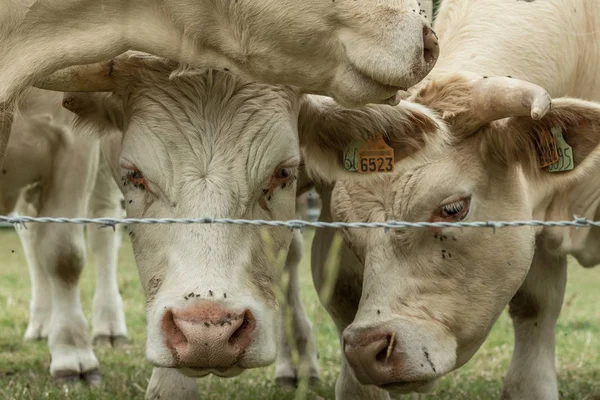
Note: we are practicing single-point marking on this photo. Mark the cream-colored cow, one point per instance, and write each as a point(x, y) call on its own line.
point(413, 305)
point(50, 171)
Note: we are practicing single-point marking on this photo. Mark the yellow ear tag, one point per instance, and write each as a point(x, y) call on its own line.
point(565, 153)
point(375, 156)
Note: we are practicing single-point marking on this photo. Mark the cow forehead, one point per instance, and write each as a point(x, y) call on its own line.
point(210, 121)
point(213, 92)
point(416, 187)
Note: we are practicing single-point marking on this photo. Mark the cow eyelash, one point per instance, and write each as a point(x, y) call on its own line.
point(456, 210)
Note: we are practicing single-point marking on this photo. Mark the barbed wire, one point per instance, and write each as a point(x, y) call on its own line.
point(299, 224)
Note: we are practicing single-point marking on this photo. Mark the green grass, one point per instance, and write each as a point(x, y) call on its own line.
point(24, 366)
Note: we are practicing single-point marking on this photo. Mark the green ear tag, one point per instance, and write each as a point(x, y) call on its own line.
point(565, 153)
point(350, 157)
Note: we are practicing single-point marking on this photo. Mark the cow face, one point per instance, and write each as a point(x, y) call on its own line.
point(430, 296)
point(202, 144)
point(206, 143)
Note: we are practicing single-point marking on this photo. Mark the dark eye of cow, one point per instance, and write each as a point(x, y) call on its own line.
point(138, 181)
point(281, 178)
point(456, 210)
point(282, 173)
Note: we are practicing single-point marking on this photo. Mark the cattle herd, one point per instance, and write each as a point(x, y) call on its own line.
point(232, 109)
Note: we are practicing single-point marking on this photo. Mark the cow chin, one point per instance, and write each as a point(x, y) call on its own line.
point(400, 355)
point(410, 387)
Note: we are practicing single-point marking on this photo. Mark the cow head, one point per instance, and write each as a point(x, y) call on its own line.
point(208, 143)
point(430, 296)
point(357, 52)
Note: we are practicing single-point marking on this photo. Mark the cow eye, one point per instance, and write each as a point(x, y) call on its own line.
point(456, 210)
point(283, 173)
point(135, 177)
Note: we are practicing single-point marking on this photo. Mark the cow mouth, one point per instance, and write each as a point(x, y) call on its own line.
point(410, 386)
point(397, 91)
point(394, 92)
point(229, 372)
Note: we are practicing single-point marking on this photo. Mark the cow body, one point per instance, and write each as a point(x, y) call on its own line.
point(51, 172)
point(425, 302)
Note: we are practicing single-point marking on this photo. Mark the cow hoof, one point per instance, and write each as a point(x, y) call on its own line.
point(314, 382)
point(110, 341)
point(93, 377)
point(289, 382)
point(34, 337)
point(64, 377)
point(286, 382)
point(35, 333)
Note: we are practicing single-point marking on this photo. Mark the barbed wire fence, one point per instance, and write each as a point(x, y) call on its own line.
point(576, 222)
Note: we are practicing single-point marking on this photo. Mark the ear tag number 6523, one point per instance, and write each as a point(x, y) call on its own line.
point(375, 156)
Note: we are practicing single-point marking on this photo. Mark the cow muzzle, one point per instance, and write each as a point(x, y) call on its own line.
point(399, 357)
point(207, 336)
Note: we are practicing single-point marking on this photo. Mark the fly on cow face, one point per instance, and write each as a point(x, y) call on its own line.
point(282, 177)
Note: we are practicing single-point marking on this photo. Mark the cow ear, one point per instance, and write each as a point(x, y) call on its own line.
point(99, 113)
point(327, 130)
point(572, 126)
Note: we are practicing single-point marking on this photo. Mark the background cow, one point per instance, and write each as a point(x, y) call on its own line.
point(50, 171)
point(423, 301)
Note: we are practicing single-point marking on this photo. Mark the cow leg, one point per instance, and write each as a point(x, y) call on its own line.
point(294, 321)
point(168, 383)
point(534, 310)
point(108, 316)
point(61, 253)
point(40, 306)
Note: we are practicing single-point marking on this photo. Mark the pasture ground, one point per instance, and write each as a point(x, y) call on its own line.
point(24, 366)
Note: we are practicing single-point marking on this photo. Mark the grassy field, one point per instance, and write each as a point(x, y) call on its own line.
point(24, 366)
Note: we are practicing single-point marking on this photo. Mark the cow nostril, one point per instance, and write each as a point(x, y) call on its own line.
point(172, 333)
point(385, 353)
point(430, 45)
point(242, 334)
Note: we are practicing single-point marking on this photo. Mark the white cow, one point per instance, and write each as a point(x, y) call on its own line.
point(413, 305)
point(358, 52)
point(209, 143)
point(49, 171)
point(42, 141)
